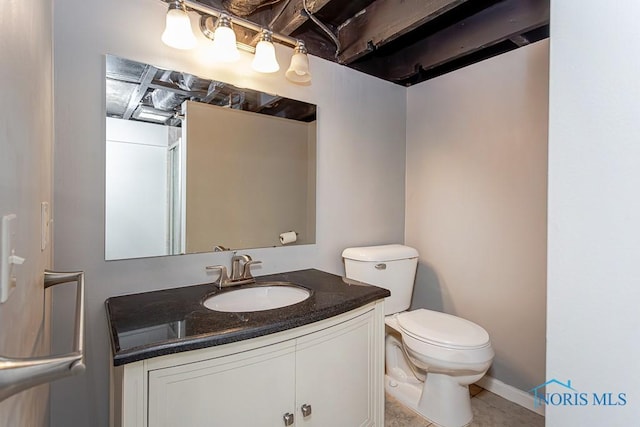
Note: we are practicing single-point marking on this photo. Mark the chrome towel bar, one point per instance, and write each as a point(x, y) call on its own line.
point(18, 374)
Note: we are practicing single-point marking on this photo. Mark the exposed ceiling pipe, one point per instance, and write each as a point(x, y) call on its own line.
point(323, 27)
point(208, 10)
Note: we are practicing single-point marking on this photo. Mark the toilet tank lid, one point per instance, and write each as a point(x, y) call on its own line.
point(380, 253)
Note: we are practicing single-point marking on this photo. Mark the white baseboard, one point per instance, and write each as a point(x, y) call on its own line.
point(510, 393)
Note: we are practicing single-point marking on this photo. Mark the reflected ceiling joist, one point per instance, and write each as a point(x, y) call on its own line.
point(146, 93)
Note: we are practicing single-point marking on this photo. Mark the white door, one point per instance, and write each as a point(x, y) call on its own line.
point(253, 388)
point(335, 375)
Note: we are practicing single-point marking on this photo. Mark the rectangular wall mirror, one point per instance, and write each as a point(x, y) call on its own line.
point(197, 165)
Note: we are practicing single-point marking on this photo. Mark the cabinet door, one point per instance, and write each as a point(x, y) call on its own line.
point(253, 388)
point(335, 375)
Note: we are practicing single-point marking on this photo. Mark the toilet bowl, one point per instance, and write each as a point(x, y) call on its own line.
point(443, 354)
point(430, 357)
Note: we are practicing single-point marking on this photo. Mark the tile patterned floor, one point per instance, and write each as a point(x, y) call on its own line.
point(489, 410)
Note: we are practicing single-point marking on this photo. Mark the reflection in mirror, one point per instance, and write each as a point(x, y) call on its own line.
point(196, 165)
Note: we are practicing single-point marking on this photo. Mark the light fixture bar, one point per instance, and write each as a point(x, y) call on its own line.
point(190, 4)
point(208, 33)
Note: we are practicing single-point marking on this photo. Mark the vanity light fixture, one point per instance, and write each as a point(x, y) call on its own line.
point(298, 71)
point(265, 60)
point(178, 34)
point(177, 31)
point(225, 48)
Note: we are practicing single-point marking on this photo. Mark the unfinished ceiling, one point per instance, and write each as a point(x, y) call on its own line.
point(401, 41)
point(143, 92)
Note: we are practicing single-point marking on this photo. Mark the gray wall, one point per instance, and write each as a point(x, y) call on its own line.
point(476, 202)
point(26, 136)
point(360, 173)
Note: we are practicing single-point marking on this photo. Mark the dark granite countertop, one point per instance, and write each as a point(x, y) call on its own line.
point(170, 321)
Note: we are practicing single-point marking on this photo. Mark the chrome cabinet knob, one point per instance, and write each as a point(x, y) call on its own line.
point(288, 419)
point(306, 410)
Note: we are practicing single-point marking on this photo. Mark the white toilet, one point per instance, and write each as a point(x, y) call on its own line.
point(430, 357)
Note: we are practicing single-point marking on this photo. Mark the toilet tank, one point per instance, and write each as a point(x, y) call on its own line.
point(389, 266)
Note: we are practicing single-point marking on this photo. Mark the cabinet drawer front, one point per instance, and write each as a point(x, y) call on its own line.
point(253, 388)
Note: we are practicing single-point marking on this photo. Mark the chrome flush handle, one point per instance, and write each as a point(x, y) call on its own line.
point(381, 266)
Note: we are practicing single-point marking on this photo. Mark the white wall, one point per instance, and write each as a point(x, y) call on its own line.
point(25, 181)
point(136, 205)
point(594, 208)
point(476, 202)
point(361, 134)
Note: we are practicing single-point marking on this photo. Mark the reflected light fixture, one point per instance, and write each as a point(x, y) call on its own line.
point(298, 71)
point(177, 31)
point(265, 60)
point(225, 48)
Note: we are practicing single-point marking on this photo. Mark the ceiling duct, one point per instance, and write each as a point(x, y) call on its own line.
point(191, 83)
point(165, 100)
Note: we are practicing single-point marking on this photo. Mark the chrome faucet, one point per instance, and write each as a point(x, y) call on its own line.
point(237, 269)
point(240, 272)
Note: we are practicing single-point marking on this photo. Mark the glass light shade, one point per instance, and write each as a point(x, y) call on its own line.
point(177, 31)
point(265, 60)
point(298, 71)
point(224, 45)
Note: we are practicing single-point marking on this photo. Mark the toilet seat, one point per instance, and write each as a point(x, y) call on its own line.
point(442, 330)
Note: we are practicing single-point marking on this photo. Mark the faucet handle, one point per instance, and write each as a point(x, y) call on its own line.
point(223, 279)
point(247, 269)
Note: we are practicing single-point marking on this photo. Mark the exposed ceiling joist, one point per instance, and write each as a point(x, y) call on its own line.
point(212, 91)
point(243, 7)
point(500, 22)
point(171, 87)
point(293, 15)
point(136, 96)
point(384, 21)
point(402, 41)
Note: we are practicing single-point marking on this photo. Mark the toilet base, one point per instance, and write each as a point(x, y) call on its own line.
point(440, 400)
point(407, 393)
point(441, 397)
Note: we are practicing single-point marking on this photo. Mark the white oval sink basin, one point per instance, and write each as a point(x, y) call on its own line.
point(257, 298)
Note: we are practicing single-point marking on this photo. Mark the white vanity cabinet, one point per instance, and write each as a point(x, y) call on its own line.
point(253, 388)
point(329, 373)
